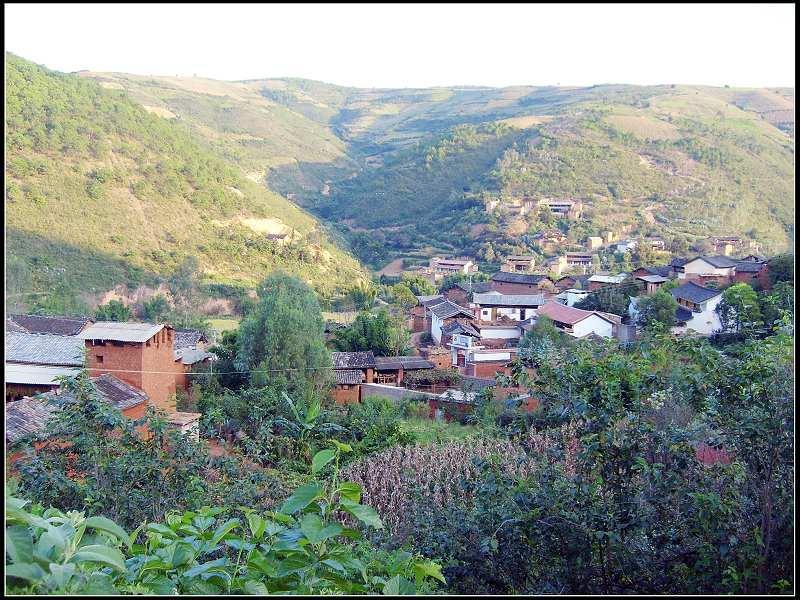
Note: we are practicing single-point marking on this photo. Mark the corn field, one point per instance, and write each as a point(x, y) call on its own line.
point(391, 479)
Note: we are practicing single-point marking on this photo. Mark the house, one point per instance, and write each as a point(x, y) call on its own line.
point(420, 316)
point(520, 283)
point(460, 292)
point(474, 359)
point(190, 338)
point(141, 355)
point(565, 208)
point(704, 269)
point(47, 325)
point(697, 308)
point(593, 242)
point(676, 267)
point(519, 264)
point(727, 244)
point(600, 281)
point(572, 282)
point(651, 283)
point(572, 296)
point(350, 370)
point(581, 260)
point(443, 313)
point(27, 417)
point(517, 307)
point(752, 272)
point(665, 271)
point(550, 240)
point(455, 327)
point(625, 246)
point(391, 369)
point(438, 356)
point(656, 243)
point(448, 266)
point(34, 362)
point(576, 322)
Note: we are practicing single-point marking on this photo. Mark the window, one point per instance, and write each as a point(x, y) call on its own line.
point(99, 358)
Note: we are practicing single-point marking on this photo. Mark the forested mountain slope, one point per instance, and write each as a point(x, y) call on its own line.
point(101, 192)
point(408, 172)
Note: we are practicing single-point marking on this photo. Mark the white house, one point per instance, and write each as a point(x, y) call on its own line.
point(576, 322)
point(443, 313)
point(696, 308)
point(517, 307)
point(572, 296)
point(708, 266)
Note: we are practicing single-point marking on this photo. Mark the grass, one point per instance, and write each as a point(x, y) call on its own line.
point(226, 324)
point(428, 430)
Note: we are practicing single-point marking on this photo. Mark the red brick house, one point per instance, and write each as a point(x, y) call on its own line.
point(350, 370)
point(521, 283)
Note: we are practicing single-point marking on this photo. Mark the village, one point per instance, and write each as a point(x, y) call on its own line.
point(464, 338)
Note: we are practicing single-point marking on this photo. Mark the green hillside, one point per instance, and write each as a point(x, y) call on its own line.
point(408, 172)
point(101, 192)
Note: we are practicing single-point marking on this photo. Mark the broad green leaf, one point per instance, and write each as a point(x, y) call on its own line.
point(61, 574)
point(108, 526)
point(15, 503)
point(19, 544)
point(335, 565)
point(102, 554)
point(302, 497)
point(206, 566)
point(342, 447)
point(312, 527)
point(255, 588)
point(162, 529)
point(428, 568)
point(399, 586)
point(365, 514)
point(258, 525)
point(263, 564)
point(351, 491)
point(321, 458)
point(313, 411)
point(28, 571)
point(16, 515)
point(224, 530)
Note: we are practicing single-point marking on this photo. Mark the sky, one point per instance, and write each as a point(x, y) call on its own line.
point(414, 45)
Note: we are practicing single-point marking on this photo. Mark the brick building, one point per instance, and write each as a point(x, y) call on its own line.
point(520, 283)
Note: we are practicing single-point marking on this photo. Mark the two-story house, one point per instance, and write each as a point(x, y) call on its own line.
point(696, 308)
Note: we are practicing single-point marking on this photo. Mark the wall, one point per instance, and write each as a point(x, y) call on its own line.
point(346, 394)
point(701, 267)
point(485, 368)
point(391, 392)
point(707, 321)
point(500, 333)
point(436, 329)
point(457, 295)
point(15, 391)
point(593, 324)
point(515, 288)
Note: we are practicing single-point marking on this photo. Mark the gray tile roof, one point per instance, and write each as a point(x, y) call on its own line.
point(353, 360)
point(663, 271)
point(50, 325)
point(653, 278)
point(37, 374)
point(498, 299)
point(517, 278)
point(28, 416)
point(348, 376)
point(720, 262)
point(747, 266)
point(43, 349)
point(188, 338)
point(121, 332)
point(407, 363)
point(683, 314)
point(15, 327)
point(694, 293)
point(428, 300)
point(447, 309)
point(477, 286)
point(459, 327)
point(190, 356)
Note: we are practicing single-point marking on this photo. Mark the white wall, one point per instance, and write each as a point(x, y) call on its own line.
point(701, 267)
point(594, 324)
point(436, 328)
point(500, 333)
point(574, 297)
point(707, 320)
point(490, 356)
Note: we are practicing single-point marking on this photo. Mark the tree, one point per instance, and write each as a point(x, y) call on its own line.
point(739, 309)
point(611, 299)
point(781, 268)
point(403, 296)
point(776, 302)
point(183, 282)
point(153, 310)
point(642, 254)
point(418, 285)
point(363, 295)
point(367, 333)
point(657, 308)
point(546, 216)
point(282, 340)
point(114, 310)
point(399, 341)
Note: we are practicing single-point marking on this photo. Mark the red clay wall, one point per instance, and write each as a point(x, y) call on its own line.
point(515, 288)
point(351, 395)
point(15, 391)
point(485, 369)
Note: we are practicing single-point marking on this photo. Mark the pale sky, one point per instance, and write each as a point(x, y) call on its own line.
point(414, 45)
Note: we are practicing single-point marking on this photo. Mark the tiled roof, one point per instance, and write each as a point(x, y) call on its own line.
point(477, 287)
point(407, 363)
point(694, 293)
point(528, 278)
point(188, 338)
point(608, 278)
point(460, 327)
point(653, 278)
point(348, 376)
point(447, 309)
point(663, 271)
point(190, 356)
point(498, 299)
point(567, 314)
point(428, 300)
point(720, 262)
point(51, 325)
point(29, 415)
point(353, 360)
point(678, 262)
point(36, 374)
point(11, 325)
point(683, 314)
point(121, 332)
point(43, 349)
point(746, 266)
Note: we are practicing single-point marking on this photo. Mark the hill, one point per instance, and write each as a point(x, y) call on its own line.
point(101, 192)
point(409, 172)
